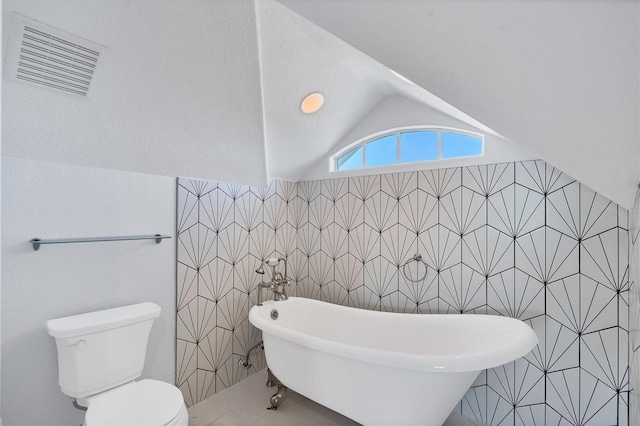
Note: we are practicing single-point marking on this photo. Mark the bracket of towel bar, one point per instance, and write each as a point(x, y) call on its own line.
point(37, 242)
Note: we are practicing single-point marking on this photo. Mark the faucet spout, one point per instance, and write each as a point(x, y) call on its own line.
point(278, 282)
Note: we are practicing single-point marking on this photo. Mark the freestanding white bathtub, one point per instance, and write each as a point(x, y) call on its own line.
point(381, 368)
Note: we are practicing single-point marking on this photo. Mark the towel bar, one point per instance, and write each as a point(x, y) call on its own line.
point(37, 242)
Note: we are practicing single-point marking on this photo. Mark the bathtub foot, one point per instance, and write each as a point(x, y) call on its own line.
point(276, 399)
point(270, 379)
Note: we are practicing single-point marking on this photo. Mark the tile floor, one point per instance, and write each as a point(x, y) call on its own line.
point(245, 404)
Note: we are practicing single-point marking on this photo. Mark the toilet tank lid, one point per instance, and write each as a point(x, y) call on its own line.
point(106, 319)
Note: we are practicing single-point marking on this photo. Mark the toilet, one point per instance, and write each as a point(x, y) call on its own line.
point(100, 356)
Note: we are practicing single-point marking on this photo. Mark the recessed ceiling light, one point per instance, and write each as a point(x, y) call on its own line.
point(312, 103)
point(402, 77)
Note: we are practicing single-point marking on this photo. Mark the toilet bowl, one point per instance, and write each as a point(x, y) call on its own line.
point(100, 355)
point(147, 402)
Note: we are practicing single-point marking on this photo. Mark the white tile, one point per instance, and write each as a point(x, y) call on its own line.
point(275, 212)
point(248, 211)
point(540, 176)
point(335, 241)
point(364, 243)
point(309, 190)
point(286, 239)
point(474, 403)
point(561, 346)
point(262, 241)
point(381, 211)
point(399, 185)
point(440, 182)
point(563, 211)
point(597, 213)
point(462, 288)
point(600, 259)
point(286, 190)
point(298, 212)
point(321, 212)
point(398, 245)
point(216, 210)
point(187, 285)
point(349, 212)
point(334, 189)
point(309, 239)
point(462, 211)
point(599, 356)
point(233, 243)
point(364, 187)
point(418, 211)
point(187, 208)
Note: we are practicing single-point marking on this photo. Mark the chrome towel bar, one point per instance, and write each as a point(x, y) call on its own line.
point(37, 242)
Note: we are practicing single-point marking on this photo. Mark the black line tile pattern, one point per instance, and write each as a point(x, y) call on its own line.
point(634, 312)
point(224, 230)
point(517, 239)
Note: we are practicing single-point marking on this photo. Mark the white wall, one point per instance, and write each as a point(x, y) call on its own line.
point(179, 83)
point(48, 200)
point(396, 112)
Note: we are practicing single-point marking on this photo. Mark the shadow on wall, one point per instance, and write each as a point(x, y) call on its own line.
point(519, 239)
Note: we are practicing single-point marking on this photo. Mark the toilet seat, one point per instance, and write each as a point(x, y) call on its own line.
point(147, 402)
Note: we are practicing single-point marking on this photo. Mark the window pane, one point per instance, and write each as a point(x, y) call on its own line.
point(458, 145)
point(418, 146)
point(383, 151)
point(351, 160)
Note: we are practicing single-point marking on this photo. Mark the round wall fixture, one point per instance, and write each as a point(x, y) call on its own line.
point(312, 103)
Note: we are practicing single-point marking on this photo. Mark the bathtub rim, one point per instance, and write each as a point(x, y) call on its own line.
point(467, 362)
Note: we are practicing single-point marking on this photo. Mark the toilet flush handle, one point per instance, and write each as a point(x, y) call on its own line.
point(79, 344)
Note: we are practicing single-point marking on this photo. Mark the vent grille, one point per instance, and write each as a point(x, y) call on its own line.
point(47, 57)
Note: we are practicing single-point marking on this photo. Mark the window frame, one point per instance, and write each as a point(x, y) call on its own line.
point(333, 159)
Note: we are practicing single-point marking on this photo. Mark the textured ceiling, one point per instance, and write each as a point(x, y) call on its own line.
point(562, 79)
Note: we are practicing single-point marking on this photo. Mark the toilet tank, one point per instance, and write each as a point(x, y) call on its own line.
point(100, 350)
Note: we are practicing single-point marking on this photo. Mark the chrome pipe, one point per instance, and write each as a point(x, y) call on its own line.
point(244, 362)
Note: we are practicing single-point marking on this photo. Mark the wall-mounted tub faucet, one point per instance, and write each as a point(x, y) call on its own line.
point(278, 282)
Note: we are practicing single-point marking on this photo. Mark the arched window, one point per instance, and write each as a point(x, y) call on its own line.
point(409, 146)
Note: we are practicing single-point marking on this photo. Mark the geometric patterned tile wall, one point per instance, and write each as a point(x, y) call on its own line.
point(518, 239)
point(224, 231)
point(634, 312)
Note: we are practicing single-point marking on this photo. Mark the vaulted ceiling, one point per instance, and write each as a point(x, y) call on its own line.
point(561, 79)
point(297, 58)
point(212, 89)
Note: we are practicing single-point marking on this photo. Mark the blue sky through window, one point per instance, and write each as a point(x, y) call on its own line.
point(382, 151)
point(418, 146)
point(459, 145)
point(351, 160)
point(415, 146)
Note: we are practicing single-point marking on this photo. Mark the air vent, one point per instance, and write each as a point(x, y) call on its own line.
point(43, 56)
